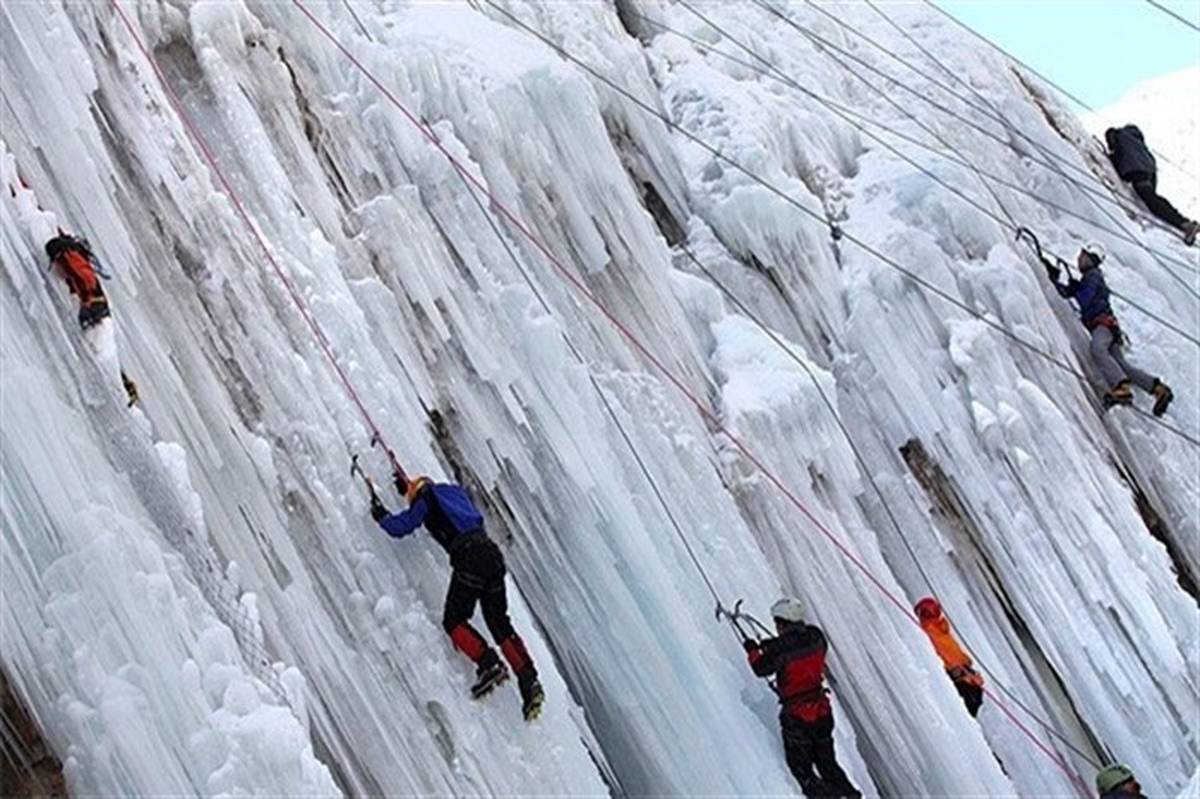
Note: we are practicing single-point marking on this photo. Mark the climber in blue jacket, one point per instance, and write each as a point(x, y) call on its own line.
point(446, 510)
point(1091, 293)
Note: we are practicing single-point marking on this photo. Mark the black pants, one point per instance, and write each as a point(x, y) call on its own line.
point(478, 577)
point(972, 696)
point(1146, 187)
point(810, 745)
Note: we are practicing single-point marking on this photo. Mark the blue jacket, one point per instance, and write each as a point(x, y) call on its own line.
point(1128, 152)
point(446, 511)
point(1091, 292)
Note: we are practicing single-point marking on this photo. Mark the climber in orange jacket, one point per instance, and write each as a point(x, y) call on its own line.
point(72, 258)
point(967, 681)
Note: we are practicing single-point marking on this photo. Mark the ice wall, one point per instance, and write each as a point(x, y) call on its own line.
point(462, 342)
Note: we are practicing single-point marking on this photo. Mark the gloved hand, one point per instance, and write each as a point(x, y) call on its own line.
point(749, 645)
point(379, 511)
point(400, 481)
point(1051, 269)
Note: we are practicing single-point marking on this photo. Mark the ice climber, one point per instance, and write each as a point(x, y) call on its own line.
point(478, 577)
point(1091, 292)
point(967, 681)
point(1118, 782)
point(1135, 164)
point(796, 658)
point(72, 258)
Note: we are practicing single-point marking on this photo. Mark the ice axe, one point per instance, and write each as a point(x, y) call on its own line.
point(1037, 246)
point(355, 469)
point(736, 616)
point(397, 469)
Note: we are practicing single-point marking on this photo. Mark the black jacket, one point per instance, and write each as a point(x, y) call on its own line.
point(1129, 154)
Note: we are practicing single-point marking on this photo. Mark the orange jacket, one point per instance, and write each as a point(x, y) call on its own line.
point(80, 276)
point(956, 661)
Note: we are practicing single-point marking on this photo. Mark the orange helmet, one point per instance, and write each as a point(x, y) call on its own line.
point(414, 487)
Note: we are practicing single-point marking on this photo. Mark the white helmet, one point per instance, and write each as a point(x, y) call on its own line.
point(788, 609)
point(1096, 250)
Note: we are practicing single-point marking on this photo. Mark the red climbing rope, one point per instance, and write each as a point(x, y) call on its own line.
point(633, 340)
point(301, 305)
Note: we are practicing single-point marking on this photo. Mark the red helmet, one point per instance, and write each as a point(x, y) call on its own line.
point(928, 608)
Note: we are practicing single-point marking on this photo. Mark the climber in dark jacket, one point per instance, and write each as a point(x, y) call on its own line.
point(796, 658)
point(1135, 164)
point(1091, 293)
point(478, 573)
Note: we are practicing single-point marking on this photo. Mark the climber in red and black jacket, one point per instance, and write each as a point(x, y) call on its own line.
point(796, 659)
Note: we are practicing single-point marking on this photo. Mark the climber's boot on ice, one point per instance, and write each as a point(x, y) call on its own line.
point(1162, 397)
point(488, 674)
point(1120, 394)
point(532, 698)
point(131, 390)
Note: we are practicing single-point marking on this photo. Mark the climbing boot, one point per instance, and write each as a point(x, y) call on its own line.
point(93, 311)
point(490, 673)
point(131, 390)
point(532, 698)
point(1190, 229)
point(1162, 397)
point(1120, 394)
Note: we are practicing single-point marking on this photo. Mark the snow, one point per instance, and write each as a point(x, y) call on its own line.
point(1193, 787)
point(195, 598)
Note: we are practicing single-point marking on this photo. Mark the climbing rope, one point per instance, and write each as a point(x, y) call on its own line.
point(982, 105)
point(1175, 16)
point(986, 108)
point(824, 43)
point(293, 293)
point(860, 243)
point(852, 118)
point(867, 471)
point(700, 405)
point(489, 215)
point(1056, 162)
point(1041, 76)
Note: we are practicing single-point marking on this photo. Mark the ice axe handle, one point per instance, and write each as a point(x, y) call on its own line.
point(1033, 239)
point(397, 469)
point(356, 469)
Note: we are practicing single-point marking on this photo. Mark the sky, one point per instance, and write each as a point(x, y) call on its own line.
point(1096, 49)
